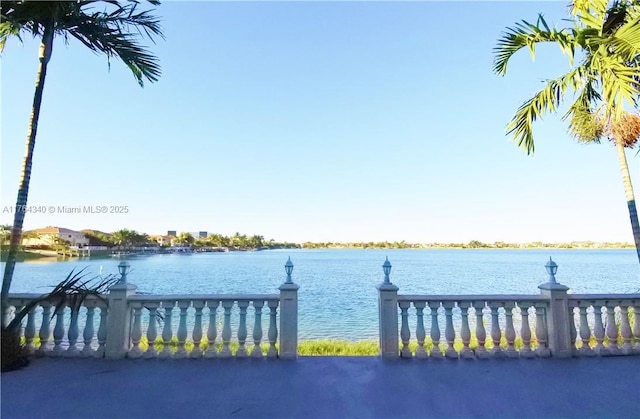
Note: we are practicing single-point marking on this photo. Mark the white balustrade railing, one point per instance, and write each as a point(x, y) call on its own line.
point(602, 324)
point(125, 324)
point(471, 326)
point(553, 323)
point(204, 326)
point(56, 330)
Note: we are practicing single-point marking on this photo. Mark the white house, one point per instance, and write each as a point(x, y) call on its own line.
point(47, 237)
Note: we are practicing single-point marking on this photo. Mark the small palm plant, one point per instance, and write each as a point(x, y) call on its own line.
point(71, 292)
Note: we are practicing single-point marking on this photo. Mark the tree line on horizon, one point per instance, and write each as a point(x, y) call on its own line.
point(127, 238)
point(473, 244)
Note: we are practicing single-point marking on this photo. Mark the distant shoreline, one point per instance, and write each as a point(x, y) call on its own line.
point(474, 244)
point(29, 254)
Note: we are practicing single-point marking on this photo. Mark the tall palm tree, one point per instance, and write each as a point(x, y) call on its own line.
point(115, 31)
point(605, 39)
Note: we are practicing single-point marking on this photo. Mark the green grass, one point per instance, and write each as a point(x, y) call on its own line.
point(338, 348)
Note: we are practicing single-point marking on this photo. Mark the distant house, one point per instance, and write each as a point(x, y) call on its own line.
point(163, 240)
point(47, 237)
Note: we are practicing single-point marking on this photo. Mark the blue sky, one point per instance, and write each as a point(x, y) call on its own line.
point(315, 121)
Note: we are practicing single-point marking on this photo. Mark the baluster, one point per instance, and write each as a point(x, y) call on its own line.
point(102, 332)
point(435, 331)
point(12, 315)
point(182, 329)
point(449, 332)
point(405, 334)
point(30, 330)
point(136, 332)
point(625, 330)
point(6, 315)
point(541, 331)
point(152, 331)
point(242, 329)
point(167, 331)
point(420, 333)
point(73, 333)
point(58, 331)
point(612, 330)
point(212, 329)
point(496, 334)
point(598, 329)
point(88, 332)
point(573, 333)
point(273, 331)
point(525, 332)
point(481, 333)
point(585, 331)
point(636, 327)
point(465, 331)
point(510, 331)
point(197, 330)
point(226, 329)
point(45, 331)
point(256, 352)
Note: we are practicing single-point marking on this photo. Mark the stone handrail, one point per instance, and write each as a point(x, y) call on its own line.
point(193, 297)
point(191, 310)
point(472, 297)
point(602, 318)
point(465, 320)
point(112, 326)
point(130, 313)
point(91, 318)
point(548, 324)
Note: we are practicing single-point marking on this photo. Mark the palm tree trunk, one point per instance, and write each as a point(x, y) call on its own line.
point(628, 191)
point(23, 190)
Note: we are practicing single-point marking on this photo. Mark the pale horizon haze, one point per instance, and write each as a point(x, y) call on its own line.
point(312, 121)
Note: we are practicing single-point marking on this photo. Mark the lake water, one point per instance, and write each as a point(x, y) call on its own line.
point(337, 296)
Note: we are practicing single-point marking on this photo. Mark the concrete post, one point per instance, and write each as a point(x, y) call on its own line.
point(559, 321)
point(119, 320)
point(289, 320)
point(388, 319)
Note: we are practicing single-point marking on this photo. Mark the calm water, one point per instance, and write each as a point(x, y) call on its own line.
point(337, 293)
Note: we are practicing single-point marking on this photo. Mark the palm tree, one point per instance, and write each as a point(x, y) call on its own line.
point(606, 39)
point(185, 239)
point(115, 33)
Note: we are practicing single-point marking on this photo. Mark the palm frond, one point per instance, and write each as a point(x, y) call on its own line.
point(111, 34)
point(7, 30)
point(626, 40)
point(116, 33)
point(71, 292)
point(525, 34)
point(619, 86)
point(547, 99)
point(591, 13)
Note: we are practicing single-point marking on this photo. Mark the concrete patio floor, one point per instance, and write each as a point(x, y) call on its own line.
point(324, 387)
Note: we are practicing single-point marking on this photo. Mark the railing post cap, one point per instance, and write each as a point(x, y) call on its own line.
point(289, 287)
point(126, 286)
point(553, 286)
point(387, 286)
